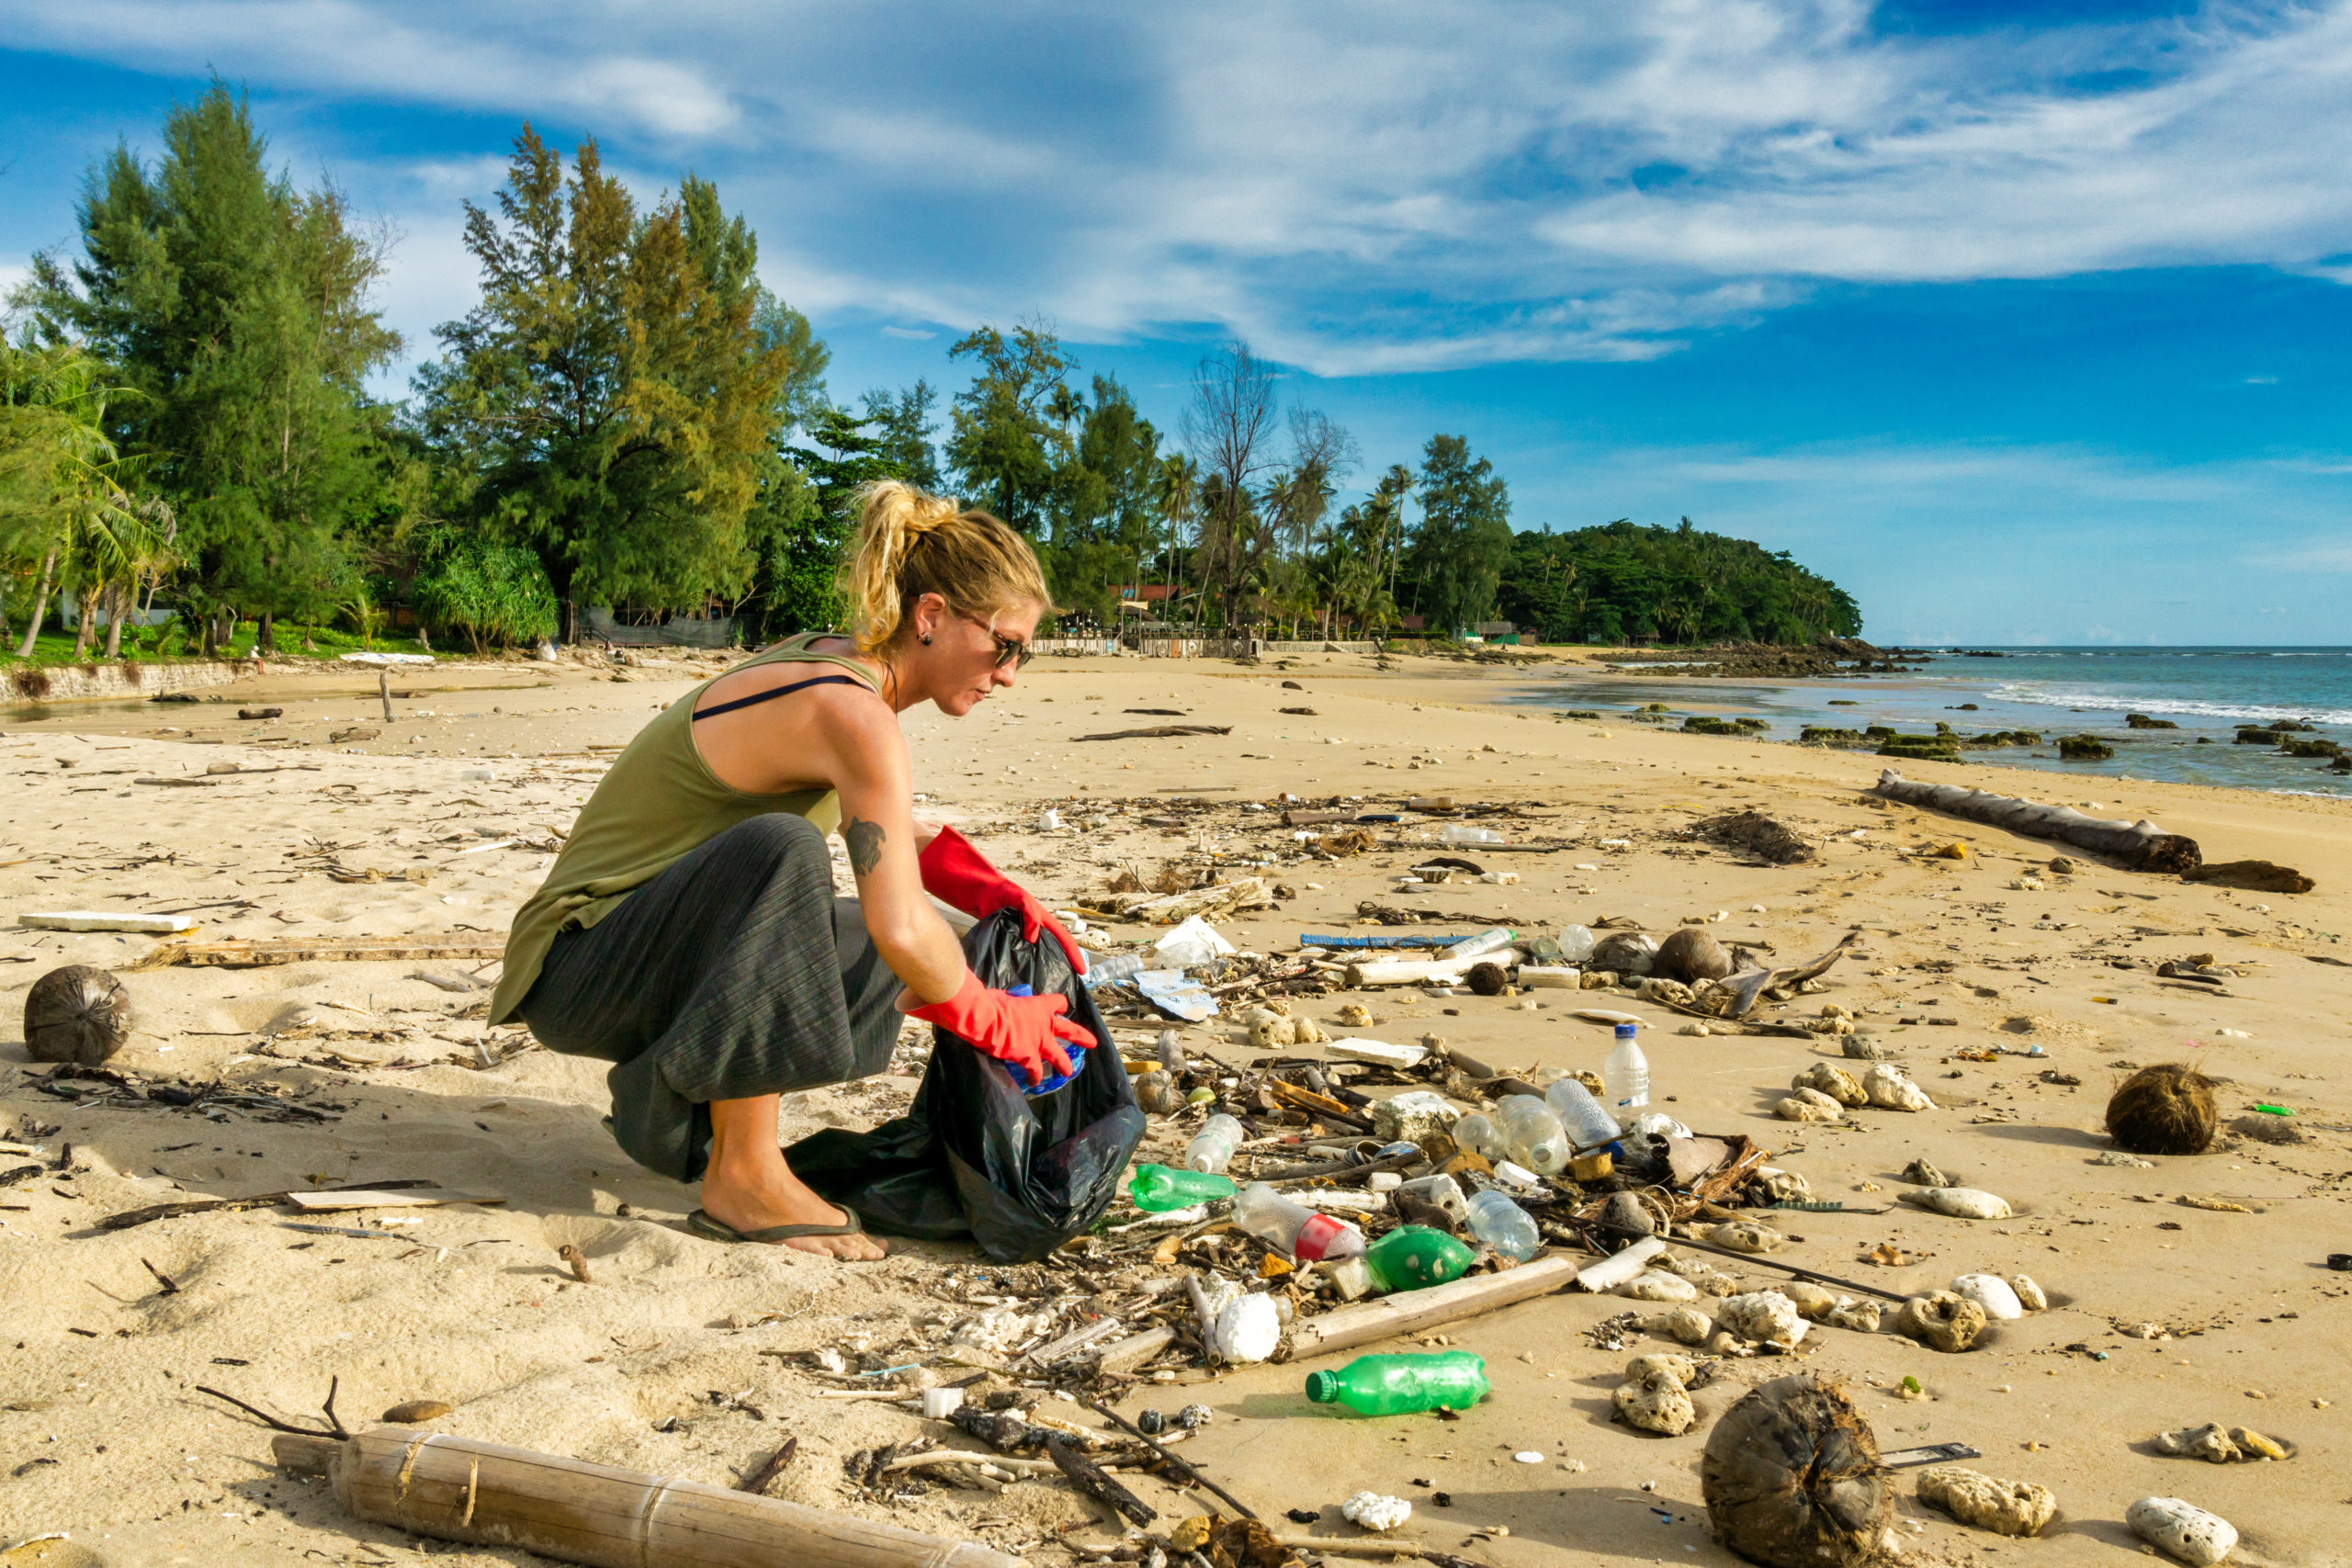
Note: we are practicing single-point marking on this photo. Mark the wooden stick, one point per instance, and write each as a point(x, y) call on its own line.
point(263, 951)
point(384, 689)
point(1408, 1312)
point(1184, 1472)
point(758, 1484)
point(1091, 1479)
point(1126, 1355)
point(488, 1495)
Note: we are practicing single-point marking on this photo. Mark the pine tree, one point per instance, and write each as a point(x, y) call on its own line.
point(235, 306)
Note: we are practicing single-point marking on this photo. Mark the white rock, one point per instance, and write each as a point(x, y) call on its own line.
point(1376, 1511)
point(1764, 1316)
point(2031, 1296)
point(1415, 1115)
point(1812, 1301)
point(1747, 1235)
point(1686, 1325)
point(1656, 1403)
point(1829, 1078)
point(1890, 1089)
point(1654, 1286)
point(1248, 1329)
point(1960, 1202)
point(1861, 1316)
point(1990, 1291)
point(1681, 1369)
point(2181, 1529)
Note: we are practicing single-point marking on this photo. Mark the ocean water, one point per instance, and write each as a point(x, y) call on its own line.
point(2208, 691)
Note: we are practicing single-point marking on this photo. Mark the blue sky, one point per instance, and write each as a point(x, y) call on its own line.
point(2024, 331)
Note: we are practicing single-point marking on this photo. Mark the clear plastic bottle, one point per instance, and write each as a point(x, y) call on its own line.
point(1491, 940)
point(1576, 944)
point(1588, 1123)
point(1478, 1134)
point(1455, 833)
point(1626, 1074)
point(1293, 1228)
point(1156, 1188)
point(1109, 970)
point(1214, 1144)
point(1397, 1385)
point(1503, 1224)
point(1531, 1134)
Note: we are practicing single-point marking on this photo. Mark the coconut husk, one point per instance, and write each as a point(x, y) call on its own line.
point(1691, 954)
point(2164, 1110)
point(1792, 1478)
point(76, 1014)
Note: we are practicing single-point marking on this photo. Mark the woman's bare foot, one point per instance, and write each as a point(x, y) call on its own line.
point(749, 1187)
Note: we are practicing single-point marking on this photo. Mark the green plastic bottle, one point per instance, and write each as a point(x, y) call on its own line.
point(1413, 1257)
point(1156, 1188)
point(1410, 1257)
point(1397, 1385)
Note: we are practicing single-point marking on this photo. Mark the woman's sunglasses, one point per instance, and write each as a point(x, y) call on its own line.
point(1009, 650)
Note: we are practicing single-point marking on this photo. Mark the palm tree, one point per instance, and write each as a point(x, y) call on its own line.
point(65, 495)
point(1179, 497)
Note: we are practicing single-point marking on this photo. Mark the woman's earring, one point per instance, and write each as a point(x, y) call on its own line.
point(926, 640)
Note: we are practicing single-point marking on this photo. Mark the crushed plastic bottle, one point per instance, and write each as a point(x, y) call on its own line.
point(1214, 1144)
point(1156, 1188)
point(1410, 1257)
point(1576, 944)
point(1503, 1226)
point(1626, 1074)
point(1588, 1124)
point(1475, 1134)
point(1492, 939)
point(1398, 1385)
point(1293, 1228)
point(1456, 833)
point(1531, 1134)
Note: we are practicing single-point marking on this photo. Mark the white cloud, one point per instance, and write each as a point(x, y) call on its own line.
point(1392, 187)
point(909, 334)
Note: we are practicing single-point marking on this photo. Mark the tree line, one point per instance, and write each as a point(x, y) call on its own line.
point(628, 417)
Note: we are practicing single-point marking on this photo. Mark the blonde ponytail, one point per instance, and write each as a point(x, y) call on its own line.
point(911, 543)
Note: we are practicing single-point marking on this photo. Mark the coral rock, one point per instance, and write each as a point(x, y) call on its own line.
point(1656, 1403)
point(1765, 1316)
point(2182, 1530)
point(1829, 1078)
point(2004, 1508)
point(1890, 1089)
point(1943, 1321)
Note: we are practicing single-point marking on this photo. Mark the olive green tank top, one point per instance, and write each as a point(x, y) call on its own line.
point(659, 800)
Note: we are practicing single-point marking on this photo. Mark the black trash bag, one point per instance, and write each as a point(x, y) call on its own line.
point(973, 1155)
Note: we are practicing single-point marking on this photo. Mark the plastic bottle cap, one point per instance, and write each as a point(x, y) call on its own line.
point(1323, 1388)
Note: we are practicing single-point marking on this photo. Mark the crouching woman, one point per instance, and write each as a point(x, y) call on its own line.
point(689, 934)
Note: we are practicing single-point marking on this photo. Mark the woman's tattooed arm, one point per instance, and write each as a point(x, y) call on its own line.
point(864, 840)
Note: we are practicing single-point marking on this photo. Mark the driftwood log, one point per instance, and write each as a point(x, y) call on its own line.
point(459, 1489)
point(2140, 845)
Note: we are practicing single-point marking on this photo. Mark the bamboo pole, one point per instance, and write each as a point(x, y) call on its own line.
point(1408, 1312)
point(487, 1494)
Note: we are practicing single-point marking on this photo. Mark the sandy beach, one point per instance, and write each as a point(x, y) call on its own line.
point(686, 1357)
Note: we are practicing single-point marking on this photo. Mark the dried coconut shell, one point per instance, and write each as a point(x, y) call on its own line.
point(1792, 1478)
point(2164, 1110)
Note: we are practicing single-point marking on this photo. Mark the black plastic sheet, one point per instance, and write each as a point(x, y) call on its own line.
point(973, 1155)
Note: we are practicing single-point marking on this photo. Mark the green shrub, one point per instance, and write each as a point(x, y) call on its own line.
point(494, 594)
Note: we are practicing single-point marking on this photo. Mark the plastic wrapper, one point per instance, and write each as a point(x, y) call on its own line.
point(974, 1155)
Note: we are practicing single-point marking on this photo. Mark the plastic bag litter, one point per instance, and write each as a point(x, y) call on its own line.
point(975, 1156)
point(1193, 942)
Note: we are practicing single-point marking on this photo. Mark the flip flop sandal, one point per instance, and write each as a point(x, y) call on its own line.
point(703, 1225)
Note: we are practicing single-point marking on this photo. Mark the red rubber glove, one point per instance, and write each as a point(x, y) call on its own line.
point(1022, 1032)
point(961, 876)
